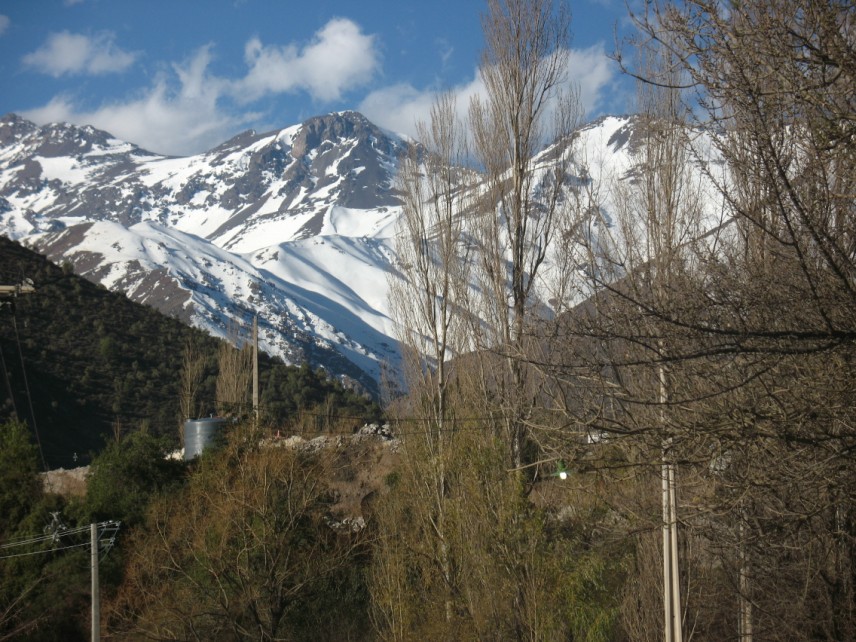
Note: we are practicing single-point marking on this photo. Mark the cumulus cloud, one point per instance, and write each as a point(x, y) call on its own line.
point(72, 53)
point(188, 109)
point(182, 120)
point(594, 73)
point(340, 57)
point(400, 107)
point(4, 23)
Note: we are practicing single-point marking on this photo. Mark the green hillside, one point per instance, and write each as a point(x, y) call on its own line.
point(82, 364)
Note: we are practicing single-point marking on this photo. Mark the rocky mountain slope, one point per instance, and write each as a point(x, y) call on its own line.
point(294, 225)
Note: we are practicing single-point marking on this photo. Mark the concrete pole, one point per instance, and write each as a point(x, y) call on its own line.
point(668, 619)
point(673, 531)
point(96, 593)
point(256, 369)
point(671, 577)
point(745, 605)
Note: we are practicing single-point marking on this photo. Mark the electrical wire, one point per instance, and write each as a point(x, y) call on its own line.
point(27, 388)
point(104, 527)
point(35, 539)
point(47, 550)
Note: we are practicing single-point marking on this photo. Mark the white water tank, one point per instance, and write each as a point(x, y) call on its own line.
point(199, 434)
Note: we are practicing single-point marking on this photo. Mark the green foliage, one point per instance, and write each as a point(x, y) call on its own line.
point(93, 359)
point(20, 487)
point(287, 392)
point(41, 591)
point(125, 477)
point(244, 552)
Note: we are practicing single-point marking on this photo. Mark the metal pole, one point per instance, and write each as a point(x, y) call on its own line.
point(96, 594)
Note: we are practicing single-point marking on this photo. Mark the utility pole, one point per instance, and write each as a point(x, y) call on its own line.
point(671, 576)
point(744, 624)
point(256, 370)
point(96, 593)
point(108, 530)
point(673, 624)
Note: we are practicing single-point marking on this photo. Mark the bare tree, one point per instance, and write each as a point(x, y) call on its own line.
point(432, 252)
point(456, 521)
point(426, 298)
point(527, 104)
point(192, 371)
point(233, 378)
point(754, 325)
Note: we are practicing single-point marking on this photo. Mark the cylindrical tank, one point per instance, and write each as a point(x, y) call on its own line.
point(199, 434)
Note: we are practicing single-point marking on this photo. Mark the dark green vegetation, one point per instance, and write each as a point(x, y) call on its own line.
point(235, 545)
point(42, 594)
point(96, 373)
point(96, 365)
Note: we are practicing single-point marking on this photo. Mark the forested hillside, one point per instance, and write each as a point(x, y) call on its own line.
point(81, 364)
point(88, 372)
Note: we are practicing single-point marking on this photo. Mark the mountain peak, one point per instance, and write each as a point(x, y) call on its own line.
point(14, 127)
point(334, 129)
point(295, 225)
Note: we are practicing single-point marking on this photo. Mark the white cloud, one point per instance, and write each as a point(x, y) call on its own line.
point(595, 75)
point(4, 23)
point(400, 107)
point(181, 121)
point(339, 58)
point(72, 53)
point(185, 110)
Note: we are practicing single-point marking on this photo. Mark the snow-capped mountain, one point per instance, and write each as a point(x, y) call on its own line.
point(294, 225)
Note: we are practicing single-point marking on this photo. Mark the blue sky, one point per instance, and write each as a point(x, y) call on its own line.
point(180, 76)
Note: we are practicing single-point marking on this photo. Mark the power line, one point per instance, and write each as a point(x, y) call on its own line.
point(35, 539)
point(108, 529)
point(42, 552)
point(27, 388)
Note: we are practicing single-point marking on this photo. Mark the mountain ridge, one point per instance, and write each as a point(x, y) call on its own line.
point(296, 225)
